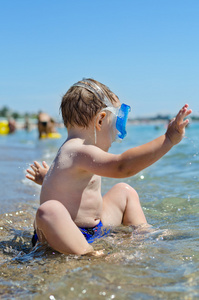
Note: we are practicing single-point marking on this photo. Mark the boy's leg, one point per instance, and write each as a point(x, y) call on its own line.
point(54, 225)
point(121, 205)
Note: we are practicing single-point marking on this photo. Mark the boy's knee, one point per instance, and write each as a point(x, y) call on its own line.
point(48, 211)
point(127, 193)
point(126, 188)
point(121, 186)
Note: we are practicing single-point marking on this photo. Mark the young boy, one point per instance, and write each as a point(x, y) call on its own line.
point(72, 210)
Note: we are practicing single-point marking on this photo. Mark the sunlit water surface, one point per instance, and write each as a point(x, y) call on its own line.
point(161, 264)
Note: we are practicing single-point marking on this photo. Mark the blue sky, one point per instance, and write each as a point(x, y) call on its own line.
point(146, 51)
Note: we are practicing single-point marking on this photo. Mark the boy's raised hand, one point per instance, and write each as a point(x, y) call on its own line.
point(38, 172)
point(176, 128)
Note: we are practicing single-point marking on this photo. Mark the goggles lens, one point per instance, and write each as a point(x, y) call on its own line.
point(121, 121)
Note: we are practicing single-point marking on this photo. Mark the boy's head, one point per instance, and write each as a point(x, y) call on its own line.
point(80, 104)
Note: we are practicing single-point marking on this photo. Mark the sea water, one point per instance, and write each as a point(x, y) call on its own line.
point(161, 264)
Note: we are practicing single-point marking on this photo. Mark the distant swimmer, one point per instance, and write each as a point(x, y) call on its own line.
point(27, 125)
point(12, 125)
point(46, 125)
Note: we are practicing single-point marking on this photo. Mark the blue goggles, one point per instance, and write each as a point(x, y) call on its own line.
point(121, 121)
point(121, 114)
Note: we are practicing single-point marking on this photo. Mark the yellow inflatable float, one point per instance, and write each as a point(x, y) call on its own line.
point(52, 135)
point(4, 127)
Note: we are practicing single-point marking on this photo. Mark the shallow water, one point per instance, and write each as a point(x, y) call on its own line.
point(161, 264)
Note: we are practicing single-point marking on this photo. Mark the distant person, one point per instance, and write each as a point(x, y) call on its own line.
point(12, 125)
point(72, 210)
point(46, 124)
point(27, 125)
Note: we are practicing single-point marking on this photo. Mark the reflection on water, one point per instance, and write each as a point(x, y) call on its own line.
point(160, 262)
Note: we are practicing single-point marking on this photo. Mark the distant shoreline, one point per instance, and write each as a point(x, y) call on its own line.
point(20, 123)
point(144, 121)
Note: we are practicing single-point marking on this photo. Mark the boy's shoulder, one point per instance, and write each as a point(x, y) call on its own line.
point(76, 154)
point(74, 145)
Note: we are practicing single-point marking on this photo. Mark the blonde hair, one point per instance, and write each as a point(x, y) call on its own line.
point(80, 105)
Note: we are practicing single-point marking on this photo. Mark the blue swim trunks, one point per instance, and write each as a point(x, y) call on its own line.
point(90, 233)
point(34, 238)
point(94, 232)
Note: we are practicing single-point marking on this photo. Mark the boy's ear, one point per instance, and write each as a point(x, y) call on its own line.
point(99, 120)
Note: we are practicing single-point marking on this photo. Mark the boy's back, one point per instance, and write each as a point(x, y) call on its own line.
point(77, 189)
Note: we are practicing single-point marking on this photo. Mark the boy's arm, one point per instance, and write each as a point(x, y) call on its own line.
point(38, 172)
point(149, 153)
point(136, 159)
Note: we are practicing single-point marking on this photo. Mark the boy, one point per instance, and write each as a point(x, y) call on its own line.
point(72, 209)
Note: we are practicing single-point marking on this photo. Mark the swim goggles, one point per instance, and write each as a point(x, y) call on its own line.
point(121, 113)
